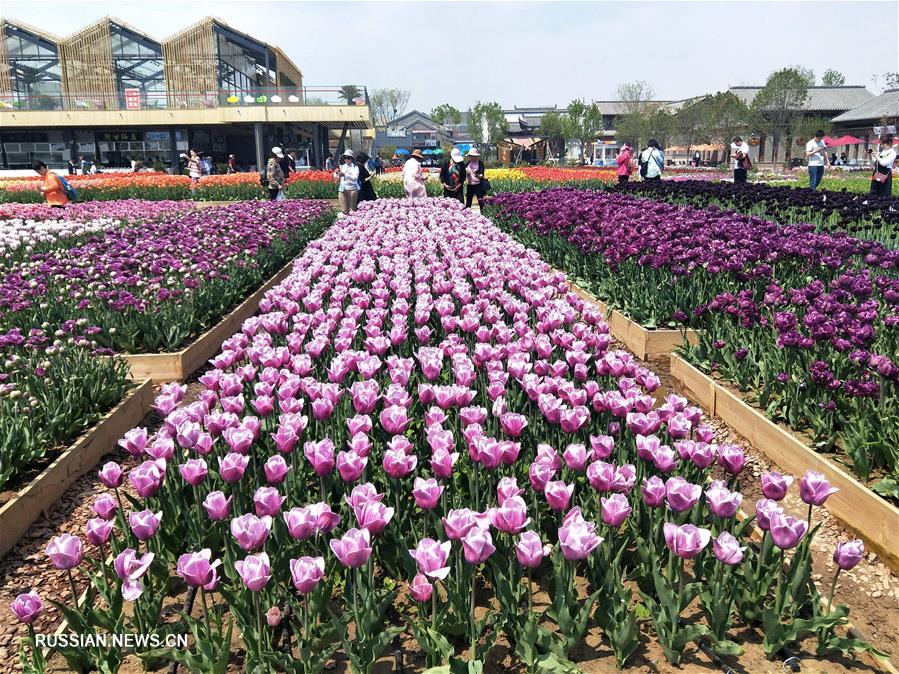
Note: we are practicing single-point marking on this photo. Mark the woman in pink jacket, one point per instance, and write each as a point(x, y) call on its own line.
point(624, 164)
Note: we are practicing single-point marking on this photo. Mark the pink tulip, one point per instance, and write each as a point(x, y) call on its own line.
point(602, 446)
point(130, 568)
point(193, 471)
point(681, 495)
point(286, 439)
point(814, 488)
point(397, 464)
point(421, 588)
point(615, 509)
point(558, 495)
point(239, 439)
point(105, 506)
point(268, 501)
point(477, 545)
point(320, 456)
point(306, 573)
point(217, 506)
point(301, 523)
point(426, 493)
point(722, 502)
point(197, 571)
point(394, 419)
point(147, 477)
point(431, 558)
point(98, 531)
point(679, 426)
point(775, 485)
point(764, 509)
point(354, 549)
point(786, 530)
point(507, 487)
point(65, 551)
point(361, 423)
point(135, 441)
point(577, 538)
point(727, 550)
point(373, 516)
point(232, 467)
point(276, 469)
point(512, 516)
point(254, 571)
point(111, 474)
point(653, 491)
point(27, 607)
point(144, 524)
point(686, 541)
point(530, 550)
point(362, 494)
point(458, 523)
point(576, 456)
point(350, 466)
point(731, 458)
point(513, 424)
point(251, 531)
point(539, 474)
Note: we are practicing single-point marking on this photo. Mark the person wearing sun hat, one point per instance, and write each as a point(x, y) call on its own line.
point(275, 175)
point(452, 176)
point(474, 173)
point(413, 179)
point(348, 177)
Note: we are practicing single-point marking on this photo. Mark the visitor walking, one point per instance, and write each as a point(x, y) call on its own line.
point(816, 154)
point(85, 165)
point(474, 175)
point(625, 164)
point(697, 159)
point(739, 150)
point(329, 163)
point(194, 169)
point(652, 161)
point(51, 186)
point(882, 178)
point(413, 178)
point(366, 187)
point(379, 165)
point(348, 179)
point(275, 175)
point(232, 164)
point(452, 176)
point(285, 162)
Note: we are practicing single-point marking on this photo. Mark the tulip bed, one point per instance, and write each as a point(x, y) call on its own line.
point(861, 215)
point(147, 287)
point(421, 427)
point(804, 321)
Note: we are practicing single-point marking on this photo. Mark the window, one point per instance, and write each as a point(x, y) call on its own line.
point(138, 65)
point(243, 65)
point(33, 70)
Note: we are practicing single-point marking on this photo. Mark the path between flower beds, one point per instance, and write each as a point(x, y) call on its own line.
point(870, 589)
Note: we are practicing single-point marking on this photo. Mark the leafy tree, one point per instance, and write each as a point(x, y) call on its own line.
point(691, 124)
point(638, 122)
point(553, 129)
point(446, 114)
point(487, 124)
point(833, 78)
point(349, 93)
point(387, 105)
point(635, 97)
point(806, 127)
point(728, 116)
point(780, 105)
point(582, 122)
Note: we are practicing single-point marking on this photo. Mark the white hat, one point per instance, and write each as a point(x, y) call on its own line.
point(456, 155)
point(277, 152)
point(348, 153)
point(473, 152)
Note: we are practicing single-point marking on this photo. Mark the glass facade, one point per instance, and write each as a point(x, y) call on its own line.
point(34, 70)
point(138, 66)
point(243, 65)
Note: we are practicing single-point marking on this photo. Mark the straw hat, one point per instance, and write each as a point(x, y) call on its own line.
point(473, 152)
point(417, 154)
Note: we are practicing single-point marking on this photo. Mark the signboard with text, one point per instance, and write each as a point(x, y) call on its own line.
point(119, 136)
point(132, 99)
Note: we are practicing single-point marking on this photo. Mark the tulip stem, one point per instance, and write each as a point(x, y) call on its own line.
point(258, 625)
point(809, 516)
point(833, 589)
point(434, 608)
point(74, 589)
point(205, 610)
point(356, 574)
point(474, 634)
point(778, 600)
point(530, 592)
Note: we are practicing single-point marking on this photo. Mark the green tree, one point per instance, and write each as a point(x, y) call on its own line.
point(387, 105)
point(350, 92)
point(833, 78)
point(552, 129)
point(446, 114)
point(487, 124)
point(635, 124)
point(728, 116)
point(582, 122)
point(691, 124)
point(780, 104)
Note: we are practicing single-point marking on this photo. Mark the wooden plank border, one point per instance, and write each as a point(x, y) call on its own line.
point(44, 491)
point(179, 365)
point(644, 343)
point(871, 517)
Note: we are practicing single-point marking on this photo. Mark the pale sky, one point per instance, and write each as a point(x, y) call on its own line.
point(529, 53)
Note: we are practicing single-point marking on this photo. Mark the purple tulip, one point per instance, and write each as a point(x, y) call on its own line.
point(679, 426)
point(722, 502)
point(686, 541)
point(764, 509)
point(558, 495)
point(458, 523)
point(105, 506)
point(306, 573)
point(232, 467)
point(217, 506)
point(251, 531)
point(786, 530)
point(397, 464)
point(431, 558)
point(507, 488)
point(320, 456)
point(814, 488)
point(111, 474)
point(512, 516)
point(362, 494)
point(301, 523)
point(848, 554)
point(276, 469)
point(727, 550)
point(577, 456)
point(478, 545)
point(197, 571)
point(373, 516)
point(394, 419)
point(268, 501)
point(539, 474)
point(147, 477)
point(135, 441)
point(602, 446)
point(530, 550)
point(731, 458)
point(775, 485)
point(130, 568)
point(193, 471)
point(513, 424)
point(426, 493)
point(98, 531)
point(254, 571)
point(680, 494)
point(354, 549)
point(421, 588)
point(27, 607)
point(577, 538)
point(144, 524)
point(615, 509)
point(653, 491)
point(350, 465)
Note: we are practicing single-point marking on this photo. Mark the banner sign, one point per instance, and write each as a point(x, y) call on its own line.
point(132, 99)
point(119, 136)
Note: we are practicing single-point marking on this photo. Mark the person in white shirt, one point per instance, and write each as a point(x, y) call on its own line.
point(651, 161)
point(816, 155)
point(348, 176)
point(739, 151)
point(882, 178)
point(413, 179)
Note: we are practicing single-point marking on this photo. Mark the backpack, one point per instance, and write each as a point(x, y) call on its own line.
point(263, 177)
point(644, 165)
point(71, 192)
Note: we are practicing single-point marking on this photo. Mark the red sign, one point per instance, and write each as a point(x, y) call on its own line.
point(132, 99)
